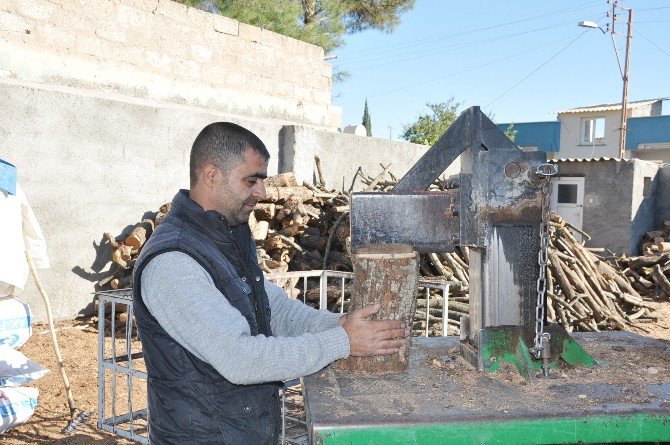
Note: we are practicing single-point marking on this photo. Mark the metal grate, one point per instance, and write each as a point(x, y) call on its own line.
point(122, 375)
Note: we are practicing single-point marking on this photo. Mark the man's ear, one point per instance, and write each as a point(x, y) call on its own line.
point(209, 174)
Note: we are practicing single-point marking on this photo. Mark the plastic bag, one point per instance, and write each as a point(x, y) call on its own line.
point(14, 322)
point(16, 406)
point(16, 369)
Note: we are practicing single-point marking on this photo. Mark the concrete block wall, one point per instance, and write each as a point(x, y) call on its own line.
point(663, 196)
point(164, 50)
point(643, 201)
point(342, 154)
point(616, 213)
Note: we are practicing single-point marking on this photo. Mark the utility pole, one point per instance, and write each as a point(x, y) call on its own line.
point(390, 129)
point(624, 71)
point(624, 74)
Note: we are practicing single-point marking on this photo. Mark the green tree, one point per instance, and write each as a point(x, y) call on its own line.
point(511, 132)
point(320, 22)
point(429, 127)
point(366, 119)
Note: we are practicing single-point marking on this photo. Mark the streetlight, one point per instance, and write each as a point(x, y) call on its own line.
point(624, 71)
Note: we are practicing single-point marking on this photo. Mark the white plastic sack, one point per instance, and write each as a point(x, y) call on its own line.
point(16, 369)
point(14, 322)
point(16, 406)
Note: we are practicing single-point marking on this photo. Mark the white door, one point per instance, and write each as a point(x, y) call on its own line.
point(567, 199)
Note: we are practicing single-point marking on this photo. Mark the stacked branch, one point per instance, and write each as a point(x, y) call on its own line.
point(585, 292)
point(649, 274)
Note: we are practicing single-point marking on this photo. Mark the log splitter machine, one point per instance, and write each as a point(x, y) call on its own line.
point(500, 212)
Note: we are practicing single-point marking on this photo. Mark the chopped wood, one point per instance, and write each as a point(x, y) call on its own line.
point(139, 234)
point(281, 180)
point(319, 171)
point(660, 279)
point(385, 275)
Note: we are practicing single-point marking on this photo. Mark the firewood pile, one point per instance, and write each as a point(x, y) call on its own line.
point(301, 227)
point(649, 274)
point(657, 241)
point(126, 251)
point(586, 292)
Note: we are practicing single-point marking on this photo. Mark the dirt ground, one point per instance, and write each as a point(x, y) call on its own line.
point(79, 344)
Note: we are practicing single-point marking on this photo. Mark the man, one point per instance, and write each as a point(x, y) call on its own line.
point(217, 337)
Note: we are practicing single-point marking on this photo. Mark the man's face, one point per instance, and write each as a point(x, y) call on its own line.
point(240, 188)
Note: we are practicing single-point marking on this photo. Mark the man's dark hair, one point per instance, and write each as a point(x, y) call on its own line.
point(223, 144)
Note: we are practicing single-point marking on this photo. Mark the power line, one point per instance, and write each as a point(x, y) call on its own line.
point(650, 41)
point(587, 5)
point(448, 48)
point(459, 72)
point(652, 9)
point(537, 69)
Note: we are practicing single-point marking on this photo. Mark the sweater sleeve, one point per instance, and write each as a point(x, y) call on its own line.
point(181, 295)
point(292, 317)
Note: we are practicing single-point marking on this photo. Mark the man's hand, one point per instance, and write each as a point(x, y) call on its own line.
point(373, 337)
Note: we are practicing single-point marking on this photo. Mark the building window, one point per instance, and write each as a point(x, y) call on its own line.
point(567, 194)
point(593, 130)
point(646, 187)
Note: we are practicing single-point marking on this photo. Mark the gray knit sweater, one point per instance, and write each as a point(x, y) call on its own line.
point(181, 295)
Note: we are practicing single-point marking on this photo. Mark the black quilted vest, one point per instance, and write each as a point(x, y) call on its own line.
point(189, 401)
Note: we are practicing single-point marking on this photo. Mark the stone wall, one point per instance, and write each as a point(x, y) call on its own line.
point(163, 50)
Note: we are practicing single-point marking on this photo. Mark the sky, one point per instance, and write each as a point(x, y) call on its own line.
point(520, 60)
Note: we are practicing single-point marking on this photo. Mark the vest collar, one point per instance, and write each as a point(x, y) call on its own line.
point(210, 222)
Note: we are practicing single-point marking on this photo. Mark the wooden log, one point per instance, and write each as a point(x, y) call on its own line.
point(260, 230)
point(139, 234)
point(277, 194)
point(160, 216)
point(313, 242)
point(265, 211)
point(660, 279)
point(609, 272)
point(386, 275)
point(559, 274)
point(435, 261)
point(281, 180)
point(319, 172)
point(646, 261)
point(459, 272)
point(121, 283)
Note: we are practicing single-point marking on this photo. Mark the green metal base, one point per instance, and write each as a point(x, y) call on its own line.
point(510, 344)
point(442, 399)
point(596, 429)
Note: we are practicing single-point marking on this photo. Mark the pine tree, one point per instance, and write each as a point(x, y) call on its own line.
point(366, 119)
point(322, 23)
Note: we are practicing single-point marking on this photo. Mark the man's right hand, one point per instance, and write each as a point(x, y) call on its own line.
point(374, 337)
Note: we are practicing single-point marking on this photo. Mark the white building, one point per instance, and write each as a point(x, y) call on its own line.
point(594, 131)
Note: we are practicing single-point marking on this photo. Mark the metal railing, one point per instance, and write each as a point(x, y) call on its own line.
point(126, 369)
point(122, 376)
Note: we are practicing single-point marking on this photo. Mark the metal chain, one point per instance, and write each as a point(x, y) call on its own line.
point(545, 171)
